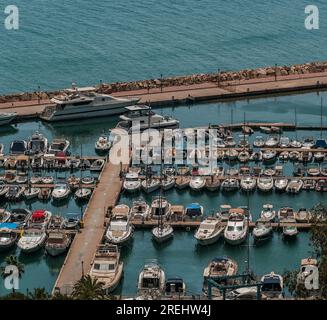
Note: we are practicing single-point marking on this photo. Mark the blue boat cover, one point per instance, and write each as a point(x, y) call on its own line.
point(193, 206)
point(321, 143)
point(9, 225)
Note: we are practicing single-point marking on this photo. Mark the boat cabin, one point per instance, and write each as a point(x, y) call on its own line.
point(177, 213)
point(174, 286)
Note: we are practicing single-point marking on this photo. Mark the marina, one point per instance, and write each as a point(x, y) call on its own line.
point(108, 191)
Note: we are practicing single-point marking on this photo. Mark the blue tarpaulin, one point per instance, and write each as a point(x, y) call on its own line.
point(8, 225)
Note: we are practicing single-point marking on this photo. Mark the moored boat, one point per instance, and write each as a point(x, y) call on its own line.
point(262, 230)
point(272, 286)
point(57, 243)
point(32, 240)
point(267, 213)
point(8, 238)
point(236, 230)
point(210, 231)
point(140, 210)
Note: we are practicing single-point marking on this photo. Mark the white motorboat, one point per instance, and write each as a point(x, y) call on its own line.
point(224, 212)
point(32, 240)
point(8, 238)
point(142, 117)
point(230, 184)
point(294, 186)
point(286, 214)
point(140, 210)
point(106, 267)
point(267, 213)
point(120, 229)
point(163, 232)
point(168, 183)
point(132, 182)
point(197, 183)
point(262, 230)
point(231, 154)
point(37, 143)
point(160, 207)
point(313, 170)
point(31, 193)
point(60, 192)
point(319, 156)
point(230, 142)
point(248, 183)
point(259, 142)
point(290, 232)
point(269, 156)
point(7, 117)
point(237, 227)
point(272, 142)
point(308, 142)
point(151, 281)
point(295, 144)
point(210, 231)
point(272, 286)
point(97, 165)
point(14, 193)
point(150, 184)
point(76, 103)
point(103, 144)
point(88, 180)
point(57, 243)
point(39, 219)
point(59, 146)
point(283, 156)
point(281, 184)
point(284, 142)
point(265, 129)
point(294, 155)
point(83, 193)
point(243, 156)
point(303, 215)
point(265, 184)
point(218, 268)
point(20, 217)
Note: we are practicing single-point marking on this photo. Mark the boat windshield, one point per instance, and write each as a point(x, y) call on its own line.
point(150, 283)
point(207, 226)
point(104, 266)
point(118, 226)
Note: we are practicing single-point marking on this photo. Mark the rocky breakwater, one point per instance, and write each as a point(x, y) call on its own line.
point(223, 77)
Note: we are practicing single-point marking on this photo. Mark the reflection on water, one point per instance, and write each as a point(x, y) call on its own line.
point(181, 256)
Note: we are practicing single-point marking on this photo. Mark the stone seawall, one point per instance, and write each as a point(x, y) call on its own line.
point(223, 76)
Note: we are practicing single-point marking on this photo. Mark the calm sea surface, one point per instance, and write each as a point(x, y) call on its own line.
point(181, 256)
point(87, 41)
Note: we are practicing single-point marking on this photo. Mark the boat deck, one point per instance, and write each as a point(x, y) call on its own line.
point(79, 258)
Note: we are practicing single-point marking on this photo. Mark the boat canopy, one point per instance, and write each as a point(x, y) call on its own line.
point(137, 108)
point(8, 225)
point(321, 143)
point(193, 206)
point(176, 283)
point(38, 214)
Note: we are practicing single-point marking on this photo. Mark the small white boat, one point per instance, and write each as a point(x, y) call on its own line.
point(267, 213)
point(265, 129)
point(283, 156)
point(259, 142)
point(83, 193)
point(168, 183)
point(132, 182)
point(294, 186)
point(103, 144)
point(120, 229)
point(151, 280)
point(57, 243)
point(313, 170)
point(265, 184)
point(197, 183)
point(231, 154)
point(106, 267)
point(31, 193)
point(272, 142)
point(97, 165)
point(47, 180)
point(87, 180)
point(7, 117)
point(296, 144)
point(4, 215)
point(236, 230)
point(294, 155)
point(60, 192)
point(290, 232)
point(280, 184)
point(32, 240)
point(269, 155)
point(150, 184)
point(243, 156)
point(230, 142)
point(140, 210)
point(224, 212)
point(37, 143)
point(262, 230)
point(160, 207)
point(35, 180)
point(248, 183)
point(8, 238)
point(303, 215)
point(163, 232)
point(284, 142)
point(318, 156)
point(272, 286)
point(286, 214)
point(210, 231)
point(230, 184)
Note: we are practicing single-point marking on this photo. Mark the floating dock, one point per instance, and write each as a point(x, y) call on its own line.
point(80, 255)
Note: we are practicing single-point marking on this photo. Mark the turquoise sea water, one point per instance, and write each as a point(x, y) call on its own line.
point(182, 257)
point(87, 41)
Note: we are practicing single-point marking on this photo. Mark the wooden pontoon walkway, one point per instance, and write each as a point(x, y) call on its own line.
point(82, 250)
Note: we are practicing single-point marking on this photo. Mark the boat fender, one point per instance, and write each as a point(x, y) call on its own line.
point(188, 229)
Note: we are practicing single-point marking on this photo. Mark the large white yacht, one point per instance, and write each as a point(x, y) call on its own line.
point(142, 117)
point(78, 105)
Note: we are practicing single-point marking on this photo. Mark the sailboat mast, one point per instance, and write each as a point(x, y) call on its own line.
point(248, 235)
point(295, 121)
point(321, 118)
